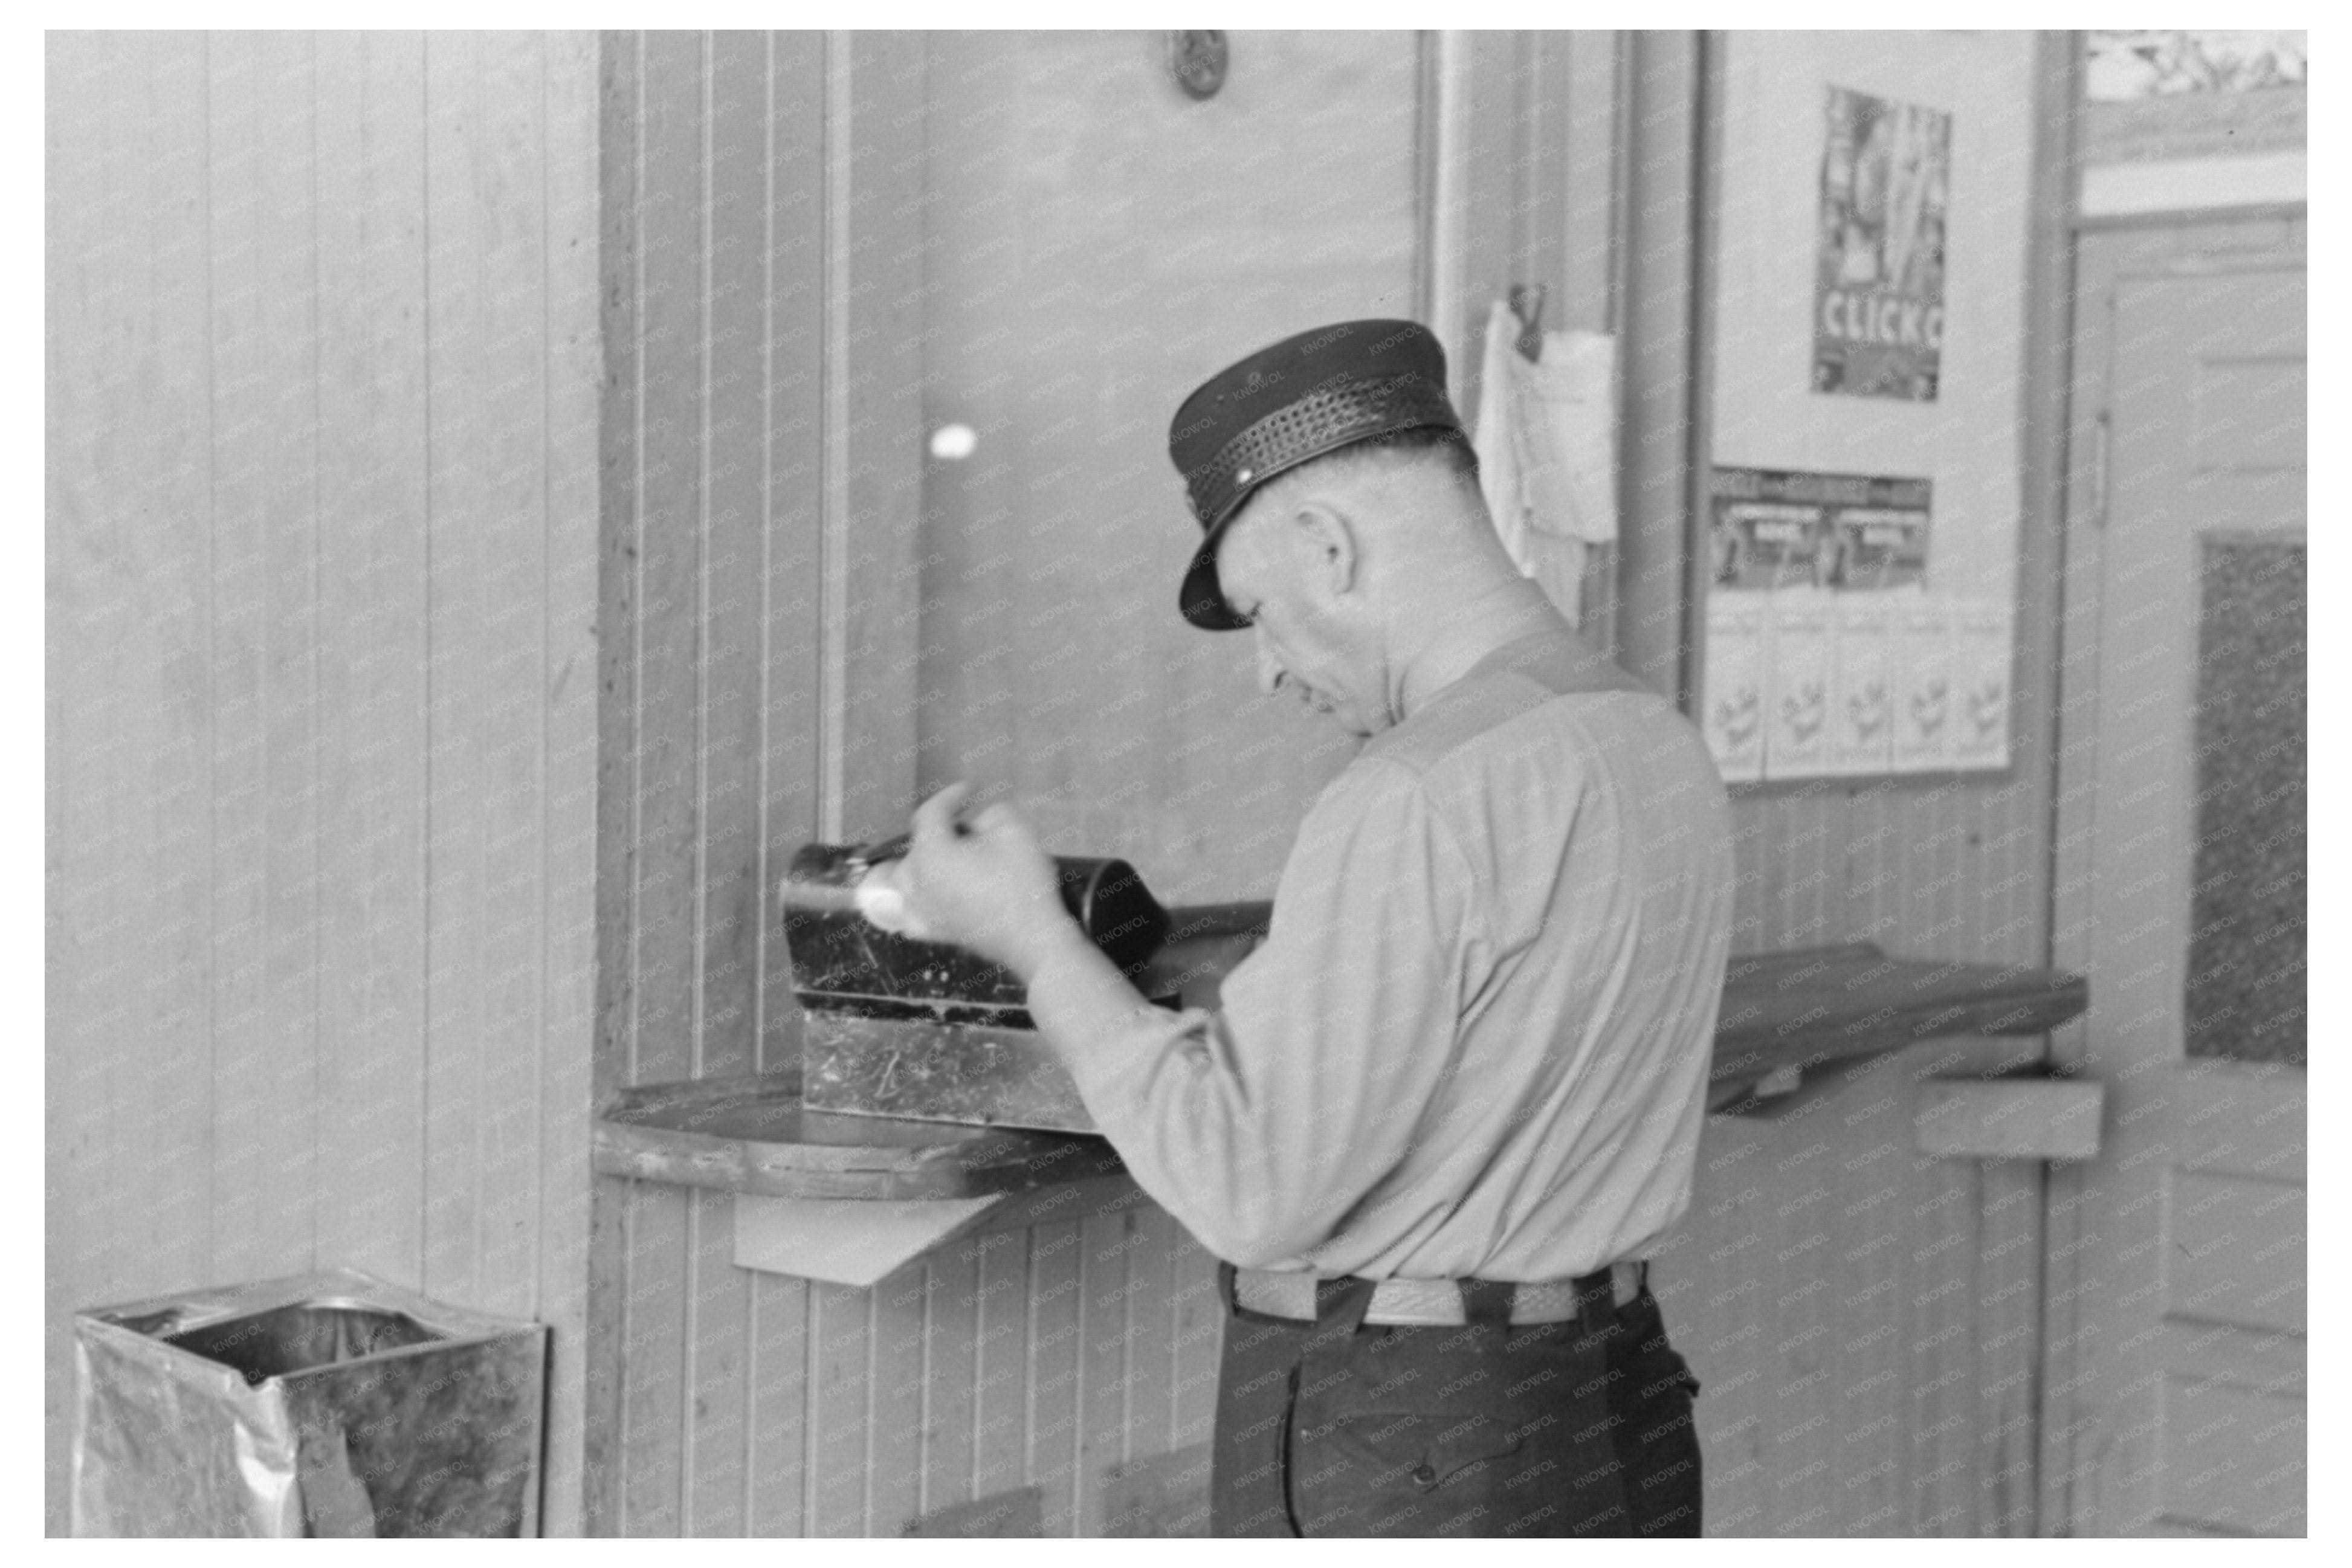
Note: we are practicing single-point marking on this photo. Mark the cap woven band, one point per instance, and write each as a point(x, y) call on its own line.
point(1326, 418)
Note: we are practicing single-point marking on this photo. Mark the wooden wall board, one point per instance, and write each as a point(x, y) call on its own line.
point(1660, 320)
point(372, 451)
point(366, 1063)
point(950, 1358)
point(1056, 1259)
point(840, 1411)
point(777, 1372)
point(718, 1413)
point(893, 1463)
point(243, 479)
point(1852, 1312)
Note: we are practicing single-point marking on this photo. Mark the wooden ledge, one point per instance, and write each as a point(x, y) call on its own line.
point(1785, 1013)
point(850, 1198)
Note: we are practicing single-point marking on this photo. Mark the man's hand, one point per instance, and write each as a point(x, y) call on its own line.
point(984, 885)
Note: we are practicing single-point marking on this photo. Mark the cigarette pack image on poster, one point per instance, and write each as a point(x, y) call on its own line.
point(1878, 547)
point(1980, 643)
point(1862, 707)
point(1797, 691)
point(1738, 655)
point(1878, 296)
point(1763, 545)
point(1919, 639)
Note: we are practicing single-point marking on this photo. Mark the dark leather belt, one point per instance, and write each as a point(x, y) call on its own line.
point(1440, 1303)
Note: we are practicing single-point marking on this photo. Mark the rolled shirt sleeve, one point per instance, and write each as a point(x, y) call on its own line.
point(1262, 1125)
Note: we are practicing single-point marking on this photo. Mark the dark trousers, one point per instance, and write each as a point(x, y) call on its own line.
point(1340, 1429)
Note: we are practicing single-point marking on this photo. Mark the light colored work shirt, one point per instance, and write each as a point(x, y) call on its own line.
point(1475, 1039)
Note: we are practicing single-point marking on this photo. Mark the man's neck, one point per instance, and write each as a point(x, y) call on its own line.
point(1465, 633)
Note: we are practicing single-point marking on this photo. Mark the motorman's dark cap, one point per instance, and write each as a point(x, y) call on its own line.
point(1301, 399)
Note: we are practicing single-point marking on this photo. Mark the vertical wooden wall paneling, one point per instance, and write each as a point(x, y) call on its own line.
point(874, 290)
point(1661, 328)
point(340, 912)
point(1056, 1279)
point(284, 81)
point(1106, 1260)
point(735, 578)
point(243, 475)
point(1199, 1336)
point(792, 248)
point(86, 871)
point(569, 754)
point(894, 1443)
point(373, 454)
point(840, 1418)
point(792, 414)
point(168, 1156)
point(1002, 1370)
point(949, 1370)
point(1594, 180)
point(472, 451)
point(620, 164)
point(671, 244)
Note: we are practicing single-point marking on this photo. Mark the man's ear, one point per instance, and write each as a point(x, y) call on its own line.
point(1326, 546)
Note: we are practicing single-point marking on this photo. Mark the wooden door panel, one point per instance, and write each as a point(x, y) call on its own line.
point(2195, 1291)
point(2237, 1252)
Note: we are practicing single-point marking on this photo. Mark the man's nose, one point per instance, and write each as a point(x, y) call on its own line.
point(1269, 668)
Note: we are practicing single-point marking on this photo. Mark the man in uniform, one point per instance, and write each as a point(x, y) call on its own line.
point(1445, 1106)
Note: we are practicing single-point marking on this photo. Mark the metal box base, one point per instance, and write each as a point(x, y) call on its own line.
point(975, 1074)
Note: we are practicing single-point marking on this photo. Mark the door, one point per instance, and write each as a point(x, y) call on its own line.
point(2179, 1394)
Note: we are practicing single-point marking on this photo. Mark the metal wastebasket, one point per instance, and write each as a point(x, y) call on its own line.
point(328, 1404)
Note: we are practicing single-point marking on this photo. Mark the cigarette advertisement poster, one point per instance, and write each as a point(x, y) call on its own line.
point(1878, 299)
point(1830, 652)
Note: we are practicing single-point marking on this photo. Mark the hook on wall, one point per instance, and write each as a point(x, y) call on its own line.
point(1197, 61)
point(1527, 304)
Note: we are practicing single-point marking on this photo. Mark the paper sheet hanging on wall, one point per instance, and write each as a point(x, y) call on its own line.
point(1980, 629)
point(1737, 654)
point(1878, 296)
point(1797, 688)
point(1546, 438)
point(1862, 704)
point(1921, 646)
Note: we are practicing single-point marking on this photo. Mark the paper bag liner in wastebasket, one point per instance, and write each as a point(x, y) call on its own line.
point(328, 1404)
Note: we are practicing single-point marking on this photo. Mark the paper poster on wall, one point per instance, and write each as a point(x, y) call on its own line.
point(1878, 298)
point(1797, 684)
point(1737, 654)
point(1862, 705)
point(1828, 655)
point(1980, 676)
point(1921, 646)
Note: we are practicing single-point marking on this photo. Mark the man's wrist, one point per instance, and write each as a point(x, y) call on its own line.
point(1054, 948)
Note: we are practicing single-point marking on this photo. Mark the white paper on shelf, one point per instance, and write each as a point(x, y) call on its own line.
point(1797, 694)
point(1862, 707)
point(1739, 650)
point(1921, 643)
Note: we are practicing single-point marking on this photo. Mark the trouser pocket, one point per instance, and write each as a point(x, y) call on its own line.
point(1400, 1472)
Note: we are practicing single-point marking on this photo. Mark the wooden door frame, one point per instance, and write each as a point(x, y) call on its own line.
point(2106, 255)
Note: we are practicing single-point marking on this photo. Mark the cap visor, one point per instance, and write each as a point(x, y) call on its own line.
point(1203, 598)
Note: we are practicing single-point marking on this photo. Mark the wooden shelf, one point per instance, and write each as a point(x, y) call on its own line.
point(1787, 1013)
point(849, 1197)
